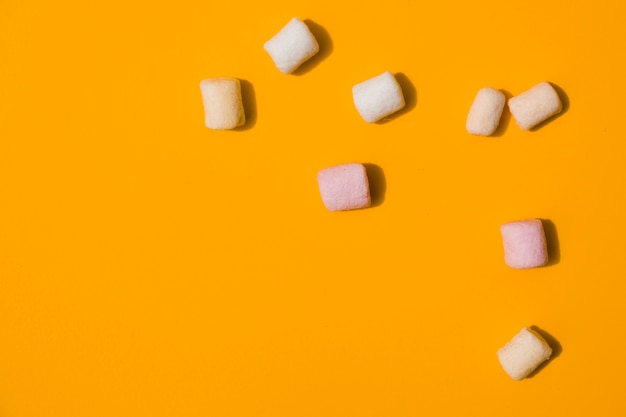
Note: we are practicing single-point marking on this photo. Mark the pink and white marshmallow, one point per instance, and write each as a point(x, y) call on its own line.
point(344, 187)
point(524, 244)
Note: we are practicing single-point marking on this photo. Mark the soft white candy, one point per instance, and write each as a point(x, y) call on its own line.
point(344, 187)
point(484, 115)
point(524, 244)
point(378, 97)
point(535, 105)
point(293, 45)
point(523, 354)
point(223, 108)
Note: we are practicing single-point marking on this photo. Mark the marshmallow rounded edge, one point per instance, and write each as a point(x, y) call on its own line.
point(378, 97)
point(292, 46)
point(484, 115)
point(524, 244)
point(344, 187)
point(223, 106)
point(523, 354)
point(535, 105)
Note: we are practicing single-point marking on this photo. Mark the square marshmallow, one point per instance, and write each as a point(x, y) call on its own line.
point(378, 97)
point(293, 45)
point(484, 115)
point(344, 187)
point(524, 244)
point(523, 354)
point(223, 108)
point(535, 105)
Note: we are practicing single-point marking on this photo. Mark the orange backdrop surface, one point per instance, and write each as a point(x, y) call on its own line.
point(150, 266)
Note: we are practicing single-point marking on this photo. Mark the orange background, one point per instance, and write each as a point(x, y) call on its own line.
point(152, 267)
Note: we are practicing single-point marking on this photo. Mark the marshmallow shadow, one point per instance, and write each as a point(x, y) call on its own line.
point(552, 242)
point(248, 99)
point(564, 102)
point(410, 98)
point(326, 48)
point(377, 182)
point(557, 349)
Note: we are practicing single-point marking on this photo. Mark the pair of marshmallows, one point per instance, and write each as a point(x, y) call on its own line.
point(524, 247)
point(289, 48)
point(374, 99)
point(528, 109)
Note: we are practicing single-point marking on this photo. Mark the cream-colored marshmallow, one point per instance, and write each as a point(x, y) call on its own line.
point(523, 354)
point(535, 105)
point(484, 115)
point(223, 107)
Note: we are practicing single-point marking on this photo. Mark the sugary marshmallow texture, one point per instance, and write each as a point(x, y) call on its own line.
point(524, 244)
point(378, 97)
point(524, 353)
point(223, 108)
point(535, 105)
point(292, 46)
point(484, 115)
point(344, 187)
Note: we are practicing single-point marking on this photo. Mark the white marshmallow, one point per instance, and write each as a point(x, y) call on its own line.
point(535, 105)
point(344, 187)
point(293, 45)
point(378, 97)
point(484, 115)
point(524, 244)
point(523, 354)
point(223, 108)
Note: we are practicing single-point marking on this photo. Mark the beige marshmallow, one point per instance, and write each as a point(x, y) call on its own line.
point(223, 107)
point(535, 105)
point(524, 353)
point(484, 115)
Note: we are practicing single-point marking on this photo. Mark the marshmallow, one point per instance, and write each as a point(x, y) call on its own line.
point(293, 45)
point(524, 244)
point(344, 187)
point(535, 105)
point(484, 115)
point(223, 108)
point(523, 354)
point(378, 97)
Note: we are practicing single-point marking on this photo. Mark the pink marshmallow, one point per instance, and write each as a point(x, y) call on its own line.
point(344, 187)
point(524, 244)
